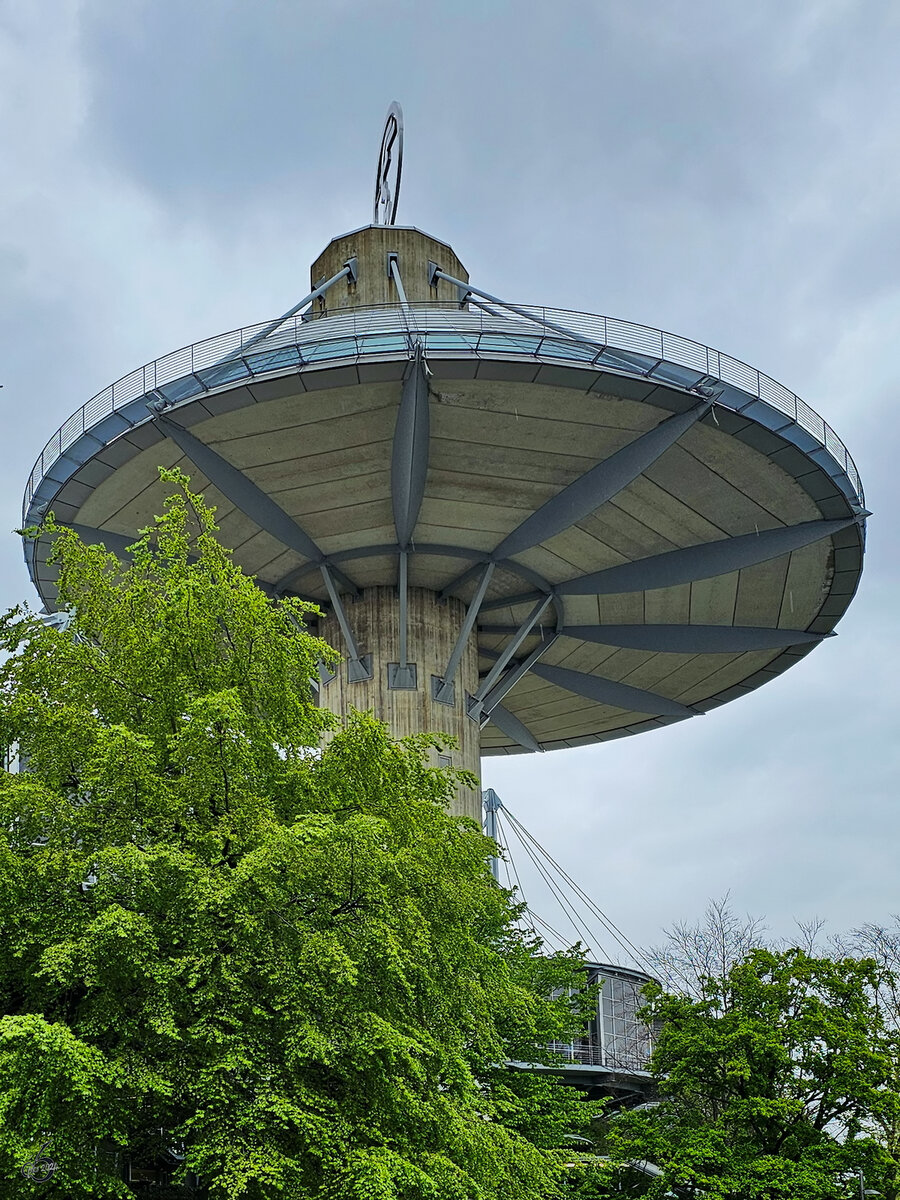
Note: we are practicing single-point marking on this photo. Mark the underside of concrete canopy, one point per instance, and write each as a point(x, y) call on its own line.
point(526, 528)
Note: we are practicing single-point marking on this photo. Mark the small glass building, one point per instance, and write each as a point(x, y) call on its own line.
point(617, 1038)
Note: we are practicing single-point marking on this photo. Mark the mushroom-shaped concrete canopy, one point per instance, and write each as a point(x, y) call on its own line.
point(527, 528)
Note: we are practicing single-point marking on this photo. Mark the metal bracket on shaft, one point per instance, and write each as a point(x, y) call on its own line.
point(402, 678)
point(325, 676)
point(435, 275)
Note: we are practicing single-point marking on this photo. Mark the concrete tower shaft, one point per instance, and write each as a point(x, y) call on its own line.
point(402, 639)
point(407, 700)
point(375, 283)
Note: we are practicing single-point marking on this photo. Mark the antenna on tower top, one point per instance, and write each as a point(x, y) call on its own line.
point(390, 164)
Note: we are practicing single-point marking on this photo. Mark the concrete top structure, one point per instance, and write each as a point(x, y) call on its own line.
point(529, 528)
point(376, 287)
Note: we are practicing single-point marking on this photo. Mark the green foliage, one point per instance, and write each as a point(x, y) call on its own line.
point(768, 1081)
point(882, 944)
point(292, 961)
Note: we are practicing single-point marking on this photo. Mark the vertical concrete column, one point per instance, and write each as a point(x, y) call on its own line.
point(433, 628)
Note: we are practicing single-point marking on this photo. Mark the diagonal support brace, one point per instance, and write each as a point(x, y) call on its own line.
point(348, 271)
point(358, 669)
point(444, 690)
point(509, 724)
point(480, 711)
point(512, 646)
point(466, 289)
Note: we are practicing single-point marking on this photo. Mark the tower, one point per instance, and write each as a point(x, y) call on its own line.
point(527, 528)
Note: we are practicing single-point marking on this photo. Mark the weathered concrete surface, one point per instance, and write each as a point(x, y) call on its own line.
point(371, 246)
point(432, 632)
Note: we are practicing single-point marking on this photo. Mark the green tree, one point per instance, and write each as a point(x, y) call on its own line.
point(768, 1079)
point(881, 943)
point(289, 964)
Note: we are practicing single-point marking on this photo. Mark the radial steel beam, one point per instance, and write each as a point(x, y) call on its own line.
point(687, 639)
point(455, 584)
point(703, 561)
point(512, 601)
point(681, 639)
point(513, 728)
point(117, 543)
point(519, 636)
point(598, 485)
point(608, 691)
point(444, 692)
point(409, 456)
point(120, 544)
point(246, 496)
point(243, 493)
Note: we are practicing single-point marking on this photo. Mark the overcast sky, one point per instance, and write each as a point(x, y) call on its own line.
point(728, 172)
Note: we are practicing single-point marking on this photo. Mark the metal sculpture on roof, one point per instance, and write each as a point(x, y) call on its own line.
point(527, 528)
point(390, 164)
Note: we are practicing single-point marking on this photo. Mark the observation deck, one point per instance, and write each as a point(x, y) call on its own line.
point(360, 335)
point(528, 528)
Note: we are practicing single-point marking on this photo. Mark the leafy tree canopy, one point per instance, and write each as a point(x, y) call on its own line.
point(769, 1076)
point(290, 965)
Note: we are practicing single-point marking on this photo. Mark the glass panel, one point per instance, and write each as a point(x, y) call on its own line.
point(271, 360)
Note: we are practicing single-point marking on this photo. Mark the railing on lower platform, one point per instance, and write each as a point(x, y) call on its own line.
point(592, 1054)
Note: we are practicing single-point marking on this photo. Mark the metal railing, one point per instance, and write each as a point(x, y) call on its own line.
point(592, 1054)
point(325, 338)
